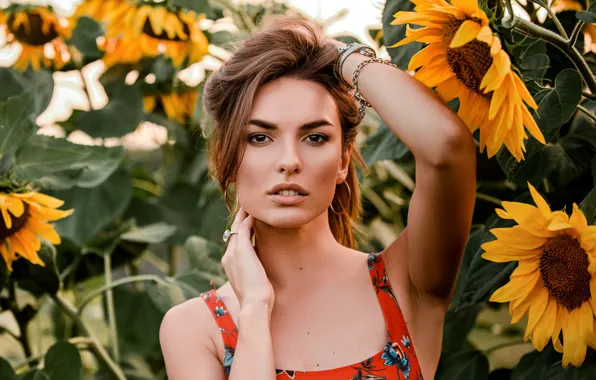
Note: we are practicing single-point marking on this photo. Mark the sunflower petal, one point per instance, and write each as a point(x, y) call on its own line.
point(517, 287)
point(544, 327)
point(467, 32)
point(503, 214)
point(528, 217)
point(540, 202)
point(425, 56)
point(574, 351)
point(536, 311)
point(468, 6)
point(519, 238)
point(44, 230)
point(578, 219)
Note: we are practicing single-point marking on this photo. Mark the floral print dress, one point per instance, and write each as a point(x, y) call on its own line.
point(396, 361)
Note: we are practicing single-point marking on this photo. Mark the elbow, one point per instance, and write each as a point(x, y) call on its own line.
point(456, 149)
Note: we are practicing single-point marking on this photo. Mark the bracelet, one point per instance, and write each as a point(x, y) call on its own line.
point(344, 52)
point(363, 103)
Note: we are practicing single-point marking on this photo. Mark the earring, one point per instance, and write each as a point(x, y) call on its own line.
point(342, 206)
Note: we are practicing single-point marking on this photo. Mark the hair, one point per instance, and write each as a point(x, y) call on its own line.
point(284, 46)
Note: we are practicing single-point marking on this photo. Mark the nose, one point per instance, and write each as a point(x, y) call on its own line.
point(290, 161)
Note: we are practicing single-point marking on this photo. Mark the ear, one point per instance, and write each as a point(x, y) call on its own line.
point(345, 164)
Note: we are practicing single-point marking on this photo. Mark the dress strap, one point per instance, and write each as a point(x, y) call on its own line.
point(394, 319)
point(227, 327)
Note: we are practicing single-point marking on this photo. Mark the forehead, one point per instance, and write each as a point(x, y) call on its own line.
point(293, 101)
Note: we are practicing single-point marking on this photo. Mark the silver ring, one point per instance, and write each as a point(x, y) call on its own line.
point(227, 234)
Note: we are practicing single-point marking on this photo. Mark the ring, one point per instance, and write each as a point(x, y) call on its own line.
point(227, 234)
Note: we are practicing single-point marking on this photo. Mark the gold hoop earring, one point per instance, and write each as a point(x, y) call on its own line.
point(226, 199)
point(342, 206)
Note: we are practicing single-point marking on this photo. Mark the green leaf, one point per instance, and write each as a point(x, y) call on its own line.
point(588, 206)
point(63, 361)
point(120, 116)
point(94, 208)
point(466, 364)
point(472, 247)
point(533, 365)
point(38, 280)
point(16, 122)
point(193, 282)
point(84, 37)
point(40, 83)
point(535, 66)
point(555, 108)
point(33, 375)
point(586, 16)
point(456, 328)
point(6, 371)
point(202, 254)
point(383, 145)
point(393, 33)
point(153, 233)
point(59, 164)
point(199, 6)
point(483, 276)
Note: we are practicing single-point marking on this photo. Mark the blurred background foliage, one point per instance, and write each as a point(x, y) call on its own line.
point(146, 233)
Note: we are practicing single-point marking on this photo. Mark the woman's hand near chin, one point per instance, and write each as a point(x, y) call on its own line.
point(243, 267)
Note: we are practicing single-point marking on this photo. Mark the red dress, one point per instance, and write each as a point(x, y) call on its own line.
point(397, 360)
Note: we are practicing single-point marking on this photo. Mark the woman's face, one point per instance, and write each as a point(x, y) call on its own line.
point(294, 135)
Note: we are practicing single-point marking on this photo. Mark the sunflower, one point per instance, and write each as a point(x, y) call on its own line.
point(40, 34)
point(153, 29)
point(463, 59)
point(555, 280)
point(24, 217)
point(96, 9)
point(179, 106)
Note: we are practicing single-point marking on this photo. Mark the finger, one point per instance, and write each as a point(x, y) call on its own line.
point(244, 229)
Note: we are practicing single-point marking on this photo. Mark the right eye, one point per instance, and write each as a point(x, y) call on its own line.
point(258, 135)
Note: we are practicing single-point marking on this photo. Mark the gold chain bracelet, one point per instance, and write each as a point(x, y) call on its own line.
point(361, 101)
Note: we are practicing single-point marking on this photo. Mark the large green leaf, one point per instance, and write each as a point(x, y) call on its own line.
point(59, 164)
point(203, 254)
point(63, 361)
point(393, 33)
point(94, 208)
point(466, 364)
point(586, 16)
point(153, 233)
point(6, 371)
point(17, 122)
point(40, 83)
point(84, 37)
point(555, 108)
point(535, 364)
point(193, 282)
point(588, 206)
point(483, 276)
point(38, 280)
point(383, 145)
point(199, 6)
point(33, 375)
point(120, 116)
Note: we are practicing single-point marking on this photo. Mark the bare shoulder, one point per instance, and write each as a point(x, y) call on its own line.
point(186, 336)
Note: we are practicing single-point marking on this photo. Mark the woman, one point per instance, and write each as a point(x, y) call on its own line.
point(301, 302)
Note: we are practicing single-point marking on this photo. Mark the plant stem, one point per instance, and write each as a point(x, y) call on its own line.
point(587, 112)
point(530, 29)
point(575, 33)
point(144, 277)
point(110, 304)
point(588, 95)
point(489, 198)
point(494, 348)
point(99, 350)
point(553, 17)
point(173, 259)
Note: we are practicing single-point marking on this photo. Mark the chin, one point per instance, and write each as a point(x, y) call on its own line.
point(286, 217)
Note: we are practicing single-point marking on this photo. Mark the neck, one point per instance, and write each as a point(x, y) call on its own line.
point(295, 257)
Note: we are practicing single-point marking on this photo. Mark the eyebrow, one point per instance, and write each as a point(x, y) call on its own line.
point(303, 127)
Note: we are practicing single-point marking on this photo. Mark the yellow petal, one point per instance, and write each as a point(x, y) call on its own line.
point(467, 32)
point(49, 215)
point(503, 214)
point(536, 311)
point(428, 35)
point(540, 202)
point(528, 217)
point(424, 56)
point(578, 219)
point(560, 321)
point(544, 328)
point(588, 238)
point(523, 91)
point(44, 230)
point(574, 351)
point(559, 222)
point(434, 75)
point(531, 125)
point(517, 287)
point(449, 89)
point(468, 6)
point(517, 237)
point(485, 35)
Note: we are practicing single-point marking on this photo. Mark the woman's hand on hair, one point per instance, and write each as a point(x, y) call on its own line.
point(243, 267)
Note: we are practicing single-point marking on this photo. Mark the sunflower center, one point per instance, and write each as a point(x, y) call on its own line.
point(17, 223)
point(33, 35)
point(470, 62)
point(564, 271)
point(148, 30)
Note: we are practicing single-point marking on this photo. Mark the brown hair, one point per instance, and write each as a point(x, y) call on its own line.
point(285, 47)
